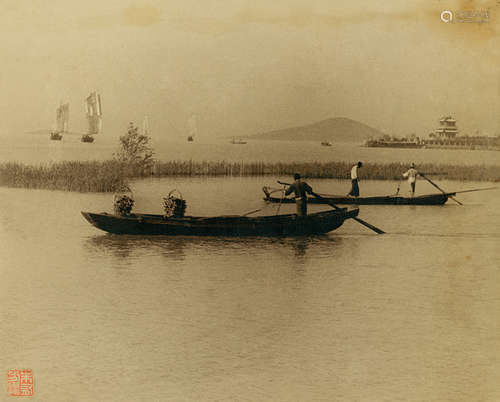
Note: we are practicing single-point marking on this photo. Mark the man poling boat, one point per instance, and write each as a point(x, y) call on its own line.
point(354, 180)
point(411, 174)
point(302, 188)
point(426, 199)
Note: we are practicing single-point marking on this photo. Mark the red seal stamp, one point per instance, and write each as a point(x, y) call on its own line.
point(20, 382)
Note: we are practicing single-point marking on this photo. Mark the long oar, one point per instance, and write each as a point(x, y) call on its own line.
point(399, 186)
point(281, 200)
point(374, 228)
point(368, 225)
point(440, 189)
point(476, 189)
point(251, 212)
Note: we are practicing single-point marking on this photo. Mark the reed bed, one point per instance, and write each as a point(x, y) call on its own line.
point(328, 170)
point(110, 176)
point(70, 176)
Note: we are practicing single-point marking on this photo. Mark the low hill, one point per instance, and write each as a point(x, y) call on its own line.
point(338, 129)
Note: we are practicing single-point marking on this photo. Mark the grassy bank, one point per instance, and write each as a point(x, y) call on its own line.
point(109, 176)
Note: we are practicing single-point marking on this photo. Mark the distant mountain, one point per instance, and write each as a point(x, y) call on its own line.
point(338, 129)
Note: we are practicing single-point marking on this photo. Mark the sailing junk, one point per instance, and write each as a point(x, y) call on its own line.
point(193, 127)
point(62, 119)
point(94, 116)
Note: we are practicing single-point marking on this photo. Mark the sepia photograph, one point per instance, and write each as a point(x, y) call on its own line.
point(234, 200)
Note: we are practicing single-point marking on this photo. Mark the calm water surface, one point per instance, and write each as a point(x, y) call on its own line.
point(349, 316)
point(36, 149)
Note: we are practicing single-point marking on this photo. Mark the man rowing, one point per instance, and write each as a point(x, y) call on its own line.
point(301, 189)
point(411, 174)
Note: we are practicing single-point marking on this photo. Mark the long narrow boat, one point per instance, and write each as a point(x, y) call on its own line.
point(428, 199)
point(230, 225)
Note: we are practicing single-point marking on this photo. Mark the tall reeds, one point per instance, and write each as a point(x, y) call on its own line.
point(71, 176)
point(110, 176)
point(327, 170)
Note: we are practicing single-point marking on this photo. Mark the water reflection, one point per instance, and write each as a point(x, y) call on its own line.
point(125, 247)
point(174, 247)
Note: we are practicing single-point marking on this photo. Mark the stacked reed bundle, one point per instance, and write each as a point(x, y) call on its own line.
point(174, 207)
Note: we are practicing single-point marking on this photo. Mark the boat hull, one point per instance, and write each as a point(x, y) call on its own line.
point(275, 225)
point(87, 138)
point(430, 199)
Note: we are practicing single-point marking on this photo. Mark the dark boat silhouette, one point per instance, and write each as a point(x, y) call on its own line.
point(229, 225)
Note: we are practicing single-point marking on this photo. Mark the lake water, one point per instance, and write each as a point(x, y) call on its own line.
point(411, 315)
point(36, 149)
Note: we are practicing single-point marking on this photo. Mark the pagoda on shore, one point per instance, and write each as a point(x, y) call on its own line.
point(447, 128)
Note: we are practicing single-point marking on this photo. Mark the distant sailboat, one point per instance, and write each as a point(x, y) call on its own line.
point(238, 141)
point(193, 128)
point(62, 120)
point(94, 116)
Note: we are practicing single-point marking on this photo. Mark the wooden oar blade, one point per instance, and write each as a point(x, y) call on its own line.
point(454, 199)
point(374, 228)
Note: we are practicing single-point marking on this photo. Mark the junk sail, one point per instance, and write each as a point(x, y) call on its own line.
point(193, 127)
point(62, 120)
point(94, 116)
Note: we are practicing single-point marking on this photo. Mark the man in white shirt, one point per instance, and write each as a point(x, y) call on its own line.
point(412, 178)
point(354, 180)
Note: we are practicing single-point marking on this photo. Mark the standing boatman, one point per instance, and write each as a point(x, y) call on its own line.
point(412, 174)
point(301, 189)
point(354, 180)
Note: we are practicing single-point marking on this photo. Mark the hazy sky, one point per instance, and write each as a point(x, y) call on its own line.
point(243, 67)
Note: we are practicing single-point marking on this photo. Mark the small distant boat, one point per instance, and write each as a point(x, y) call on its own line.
point(94, 116)
point(388, 142)
point(192, 127)
point(237, 141)
point(87, 138)
point(55, 136)
point(62, 120)
point(228, 225)
point(326, 143)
